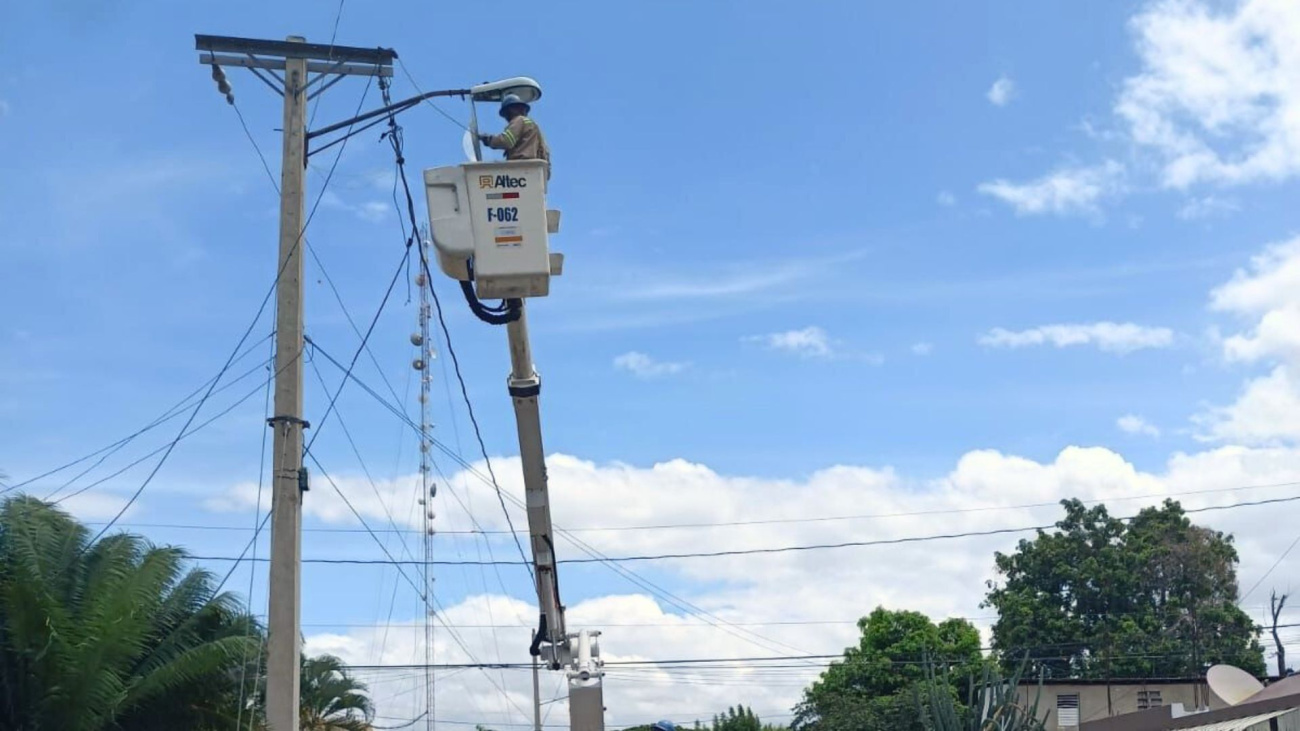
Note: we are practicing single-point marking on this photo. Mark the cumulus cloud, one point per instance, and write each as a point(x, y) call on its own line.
point(1266, 293)
point(1217, 97)
point(1266, 412)
point(1133, 424)
point(1207, 207)
point(810, 342)
point(1112, 337)
point(725, 607)
point(1265, 297)
point(1066, 191)
point(1002, 92)
point(643, 366)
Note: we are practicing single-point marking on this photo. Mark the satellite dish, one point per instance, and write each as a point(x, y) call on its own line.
point(1233, 685)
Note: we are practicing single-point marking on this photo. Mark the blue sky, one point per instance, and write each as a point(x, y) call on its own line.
point(923, 249)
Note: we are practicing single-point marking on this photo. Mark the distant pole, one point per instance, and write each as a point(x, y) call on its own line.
point(1275, 605)
point(537, 693)
point(284, 638)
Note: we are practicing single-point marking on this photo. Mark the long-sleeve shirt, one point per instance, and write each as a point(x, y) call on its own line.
point(522, 140)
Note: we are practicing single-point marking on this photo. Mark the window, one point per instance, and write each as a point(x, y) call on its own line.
point(1149, 699)
point(1067, 710)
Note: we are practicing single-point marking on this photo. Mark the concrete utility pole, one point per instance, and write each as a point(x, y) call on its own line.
point(296, 59)
point(283, 666)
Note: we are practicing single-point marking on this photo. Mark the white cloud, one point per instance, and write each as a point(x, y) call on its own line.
point(1113, 337)
point(983, 490)
point(643, 366)
point(1266, 412)
point(946, 199)
point(97, 506)
point(741, 280)
point(1268, 293)
point(1065, 191)
point(810, 342)
point(922, 348)
point(1206, 207)
point(1218, 98)
point(372, 211)
point(1133, 424)
point(1002, 92)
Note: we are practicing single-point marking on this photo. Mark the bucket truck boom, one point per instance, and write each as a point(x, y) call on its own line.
point(490, 225)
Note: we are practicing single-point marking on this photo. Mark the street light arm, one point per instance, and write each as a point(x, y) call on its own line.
point(394, 108)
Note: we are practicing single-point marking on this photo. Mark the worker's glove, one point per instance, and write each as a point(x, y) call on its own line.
point(485, 139)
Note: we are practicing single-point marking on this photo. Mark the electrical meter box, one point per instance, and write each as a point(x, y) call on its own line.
point(490, 219)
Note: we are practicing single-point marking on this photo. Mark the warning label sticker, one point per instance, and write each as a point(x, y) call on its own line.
point(508, 236)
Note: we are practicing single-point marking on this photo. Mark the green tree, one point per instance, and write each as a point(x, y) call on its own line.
point(331, 699)
point(875, 686)
point(1156, 597)
point(116, 634)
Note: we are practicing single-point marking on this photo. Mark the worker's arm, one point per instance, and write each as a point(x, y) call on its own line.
point(508, 138)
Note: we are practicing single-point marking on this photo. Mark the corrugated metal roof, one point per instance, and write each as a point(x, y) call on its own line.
point(1239, 724)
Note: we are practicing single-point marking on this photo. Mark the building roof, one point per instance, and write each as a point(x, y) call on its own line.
point(1277, 699)
point(1112, 681)
point(1239, 724)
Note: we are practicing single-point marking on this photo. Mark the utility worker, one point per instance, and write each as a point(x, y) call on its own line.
point(522, 138)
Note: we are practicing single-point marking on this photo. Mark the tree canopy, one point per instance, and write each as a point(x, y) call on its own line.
point(1099, 597)
point(874, 687)
point(115, 634)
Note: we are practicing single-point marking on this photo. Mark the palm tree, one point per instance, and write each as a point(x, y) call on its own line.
point(116, 634)
point(331, 699)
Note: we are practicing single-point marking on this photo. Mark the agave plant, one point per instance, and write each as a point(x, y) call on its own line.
point(992, 704)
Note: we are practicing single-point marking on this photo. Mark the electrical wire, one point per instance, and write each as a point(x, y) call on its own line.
point(420, 91)
point(1272, 568)
point(729, 524)
point(793, 549)
point(252, 568)
point(166, 416)
point(364, 340)
point(243, 338)
point(165, 447)
point(396, 141)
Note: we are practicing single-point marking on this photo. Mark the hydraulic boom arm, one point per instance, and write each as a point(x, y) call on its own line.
point(579, 653)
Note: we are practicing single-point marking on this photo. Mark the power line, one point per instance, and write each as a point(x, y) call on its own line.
point(364, 340)
point(183, 435)
point(419, 592)
point(726, 524)
point(252, 568)
point(632, 577)
point(396, 140)
point(435, 107)
point(780, 662)
point(658, 591)
point(788, 549)
point(1276, 563)
point(243, 338)
point(166, 416)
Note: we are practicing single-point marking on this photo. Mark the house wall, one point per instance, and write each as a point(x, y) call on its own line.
point(1093, 704)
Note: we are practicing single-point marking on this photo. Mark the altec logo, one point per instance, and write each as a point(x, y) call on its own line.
point(486, 182)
